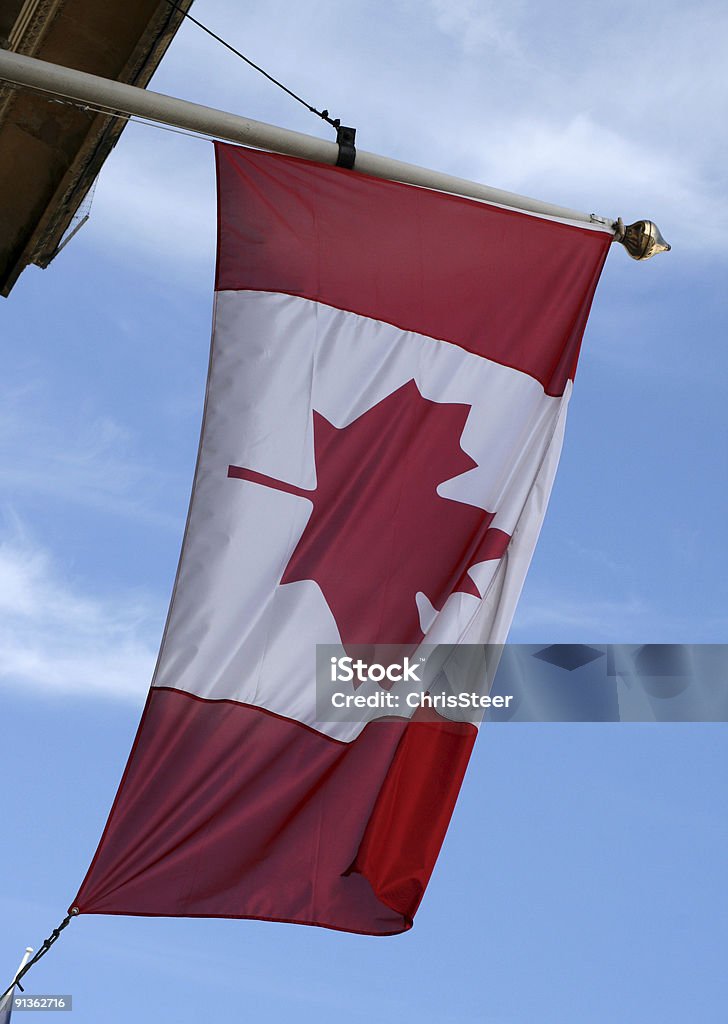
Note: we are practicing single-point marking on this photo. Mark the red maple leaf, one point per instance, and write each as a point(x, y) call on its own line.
point(379, 532)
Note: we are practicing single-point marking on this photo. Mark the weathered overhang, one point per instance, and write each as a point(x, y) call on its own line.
point(51, 152)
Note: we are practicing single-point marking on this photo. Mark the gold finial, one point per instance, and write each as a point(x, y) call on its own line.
point(641, 239)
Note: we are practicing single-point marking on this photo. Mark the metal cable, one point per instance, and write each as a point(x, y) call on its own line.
point(335, 122)
point(41, 952)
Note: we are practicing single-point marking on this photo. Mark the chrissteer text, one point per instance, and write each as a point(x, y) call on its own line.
point(391, 701)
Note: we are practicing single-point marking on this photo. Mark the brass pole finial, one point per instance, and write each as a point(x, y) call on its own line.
point(641, 239)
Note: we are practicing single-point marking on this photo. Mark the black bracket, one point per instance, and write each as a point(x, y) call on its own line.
point(347, 151)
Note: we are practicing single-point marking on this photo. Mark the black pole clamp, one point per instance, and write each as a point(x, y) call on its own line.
point(347, 151)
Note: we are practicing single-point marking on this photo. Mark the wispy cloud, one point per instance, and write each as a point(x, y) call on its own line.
point(476, 25)
point(580, 158)
point(156, 198)
point(550, 614)
point(84, 458)
point(558, 619)
point(549, 101)
point(597, 556)
point(57, 638)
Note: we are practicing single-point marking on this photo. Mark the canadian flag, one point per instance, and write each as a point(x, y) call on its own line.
point(389, 376)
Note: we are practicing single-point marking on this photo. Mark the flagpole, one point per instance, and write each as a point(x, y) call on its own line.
point(118, 97)
point(47, 943)
point(26, 957)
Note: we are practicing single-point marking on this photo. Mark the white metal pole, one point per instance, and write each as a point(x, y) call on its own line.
point(153, 106)
point(26, 957)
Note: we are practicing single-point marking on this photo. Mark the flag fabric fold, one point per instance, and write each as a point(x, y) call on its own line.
point(389, 376)
point(6, 1007)
point(8, 1000)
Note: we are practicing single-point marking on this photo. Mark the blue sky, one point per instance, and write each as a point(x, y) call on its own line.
point(584, 862)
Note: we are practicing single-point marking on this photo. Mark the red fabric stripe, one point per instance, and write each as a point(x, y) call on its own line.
point(239, 473)
point(505, 285)
point(226, 810)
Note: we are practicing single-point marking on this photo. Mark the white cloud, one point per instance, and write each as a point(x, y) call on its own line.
point(56, 638)
point(594, 619)
point(572, 162)
point(550, 615)
point(474, 24)
point(75, 455)
point(549, 102)
point(156, 199)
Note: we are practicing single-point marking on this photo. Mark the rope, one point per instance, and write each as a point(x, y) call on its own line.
point(335, 122)
point(41, 953)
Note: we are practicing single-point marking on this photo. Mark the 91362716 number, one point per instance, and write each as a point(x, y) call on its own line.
point(43, 1002)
